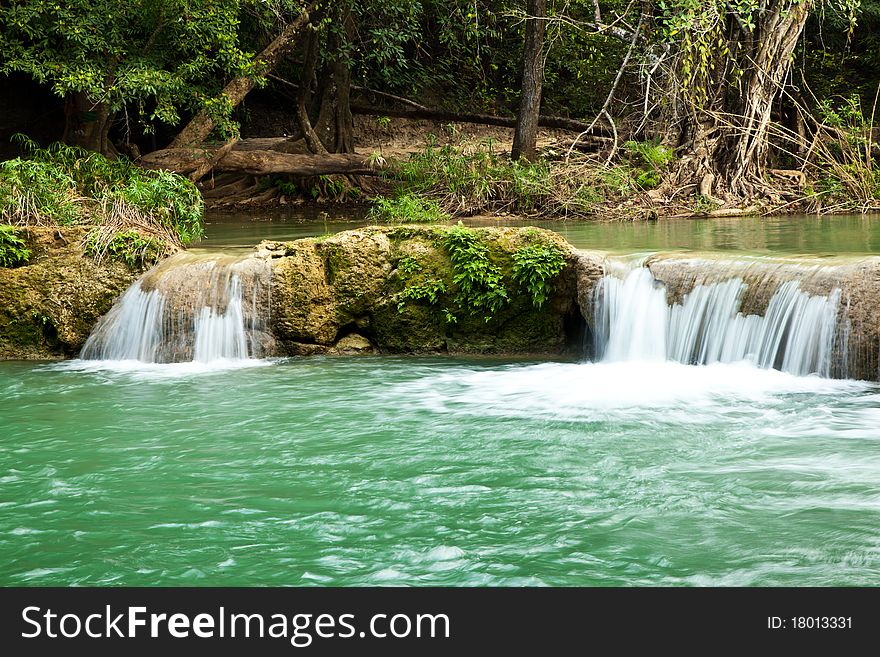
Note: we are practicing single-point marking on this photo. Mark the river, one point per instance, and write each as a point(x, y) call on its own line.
point(439, 471)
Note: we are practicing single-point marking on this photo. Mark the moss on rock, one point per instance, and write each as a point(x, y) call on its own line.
point(367, 280)
point(49, 306)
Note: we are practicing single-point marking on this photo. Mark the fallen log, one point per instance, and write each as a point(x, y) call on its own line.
point(208, 165)
point(260, 163)
point(544, 121)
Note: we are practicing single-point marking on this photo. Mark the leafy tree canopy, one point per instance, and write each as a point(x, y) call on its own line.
point(161, 55)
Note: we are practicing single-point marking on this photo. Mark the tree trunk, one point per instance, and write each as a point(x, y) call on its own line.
point(727, 134)
point(87, 124)
point(200, 127)
point(525, 134)
point(544, 121)
point(304, 92)
point(335, 125)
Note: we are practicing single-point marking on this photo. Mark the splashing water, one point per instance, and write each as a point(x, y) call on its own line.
point(189, 308)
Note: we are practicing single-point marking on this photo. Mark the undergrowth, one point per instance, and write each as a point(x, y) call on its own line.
point(69, 186)
point(408, 209)
point(467, 181)
point(845, 168)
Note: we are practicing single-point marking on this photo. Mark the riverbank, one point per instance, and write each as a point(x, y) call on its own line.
point(424, 171)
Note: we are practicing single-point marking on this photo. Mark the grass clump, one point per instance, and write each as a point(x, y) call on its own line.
point(68, 186)
point(13, 248)
point(130, 246)
point(407, 209)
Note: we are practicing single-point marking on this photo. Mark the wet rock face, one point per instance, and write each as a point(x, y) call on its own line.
point(325, 291)
point(353, 345)
point(49, 306)
point(860, 310)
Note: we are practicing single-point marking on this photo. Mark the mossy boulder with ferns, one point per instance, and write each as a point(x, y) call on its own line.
point(418, 289)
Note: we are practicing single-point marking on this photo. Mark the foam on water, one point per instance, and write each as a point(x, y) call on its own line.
point(151, 371)
point(574, 391)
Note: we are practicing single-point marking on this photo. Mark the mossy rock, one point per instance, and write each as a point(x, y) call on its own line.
point(354, 281)
point(49, 306)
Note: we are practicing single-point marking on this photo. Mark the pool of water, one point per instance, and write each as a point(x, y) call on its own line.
point(394, 471)
point(789, 235)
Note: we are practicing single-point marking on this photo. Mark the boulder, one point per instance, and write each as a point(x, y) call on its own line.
point(49, 305)
point(325, 289)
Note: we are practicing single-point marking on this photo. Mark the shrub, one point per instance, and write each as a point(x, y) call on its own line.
point(13, 249)
point(407, 209)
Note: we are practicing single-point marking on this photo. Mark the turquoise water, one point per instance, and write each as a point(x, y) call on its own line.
point(436, 472)
point(788, 235)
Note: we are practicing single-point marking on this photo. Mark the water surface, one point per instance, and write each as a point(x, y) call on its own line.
point(782, 235)
point(436, 472)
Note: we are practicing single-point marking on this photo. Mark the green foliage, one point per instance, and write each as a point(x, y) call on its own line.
point(840, 50)
point(479, 283)
point(329, 187)
point(286, 187)
point(418, 285)
point(536, 266)
point(845, 115)
point(651, 159)
point(648, 179)
point(704, 205)
point(616, 180)
point(160, 56)
point(407, 209)
point(64, 186)
point(650, 153)
point(13, 249)
point(467, 183)
point(848, 177)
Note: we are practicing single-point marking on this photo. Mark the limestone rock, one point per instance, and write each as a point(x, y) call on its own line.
point(49, 306)
point(351, 282)
point(352, 344)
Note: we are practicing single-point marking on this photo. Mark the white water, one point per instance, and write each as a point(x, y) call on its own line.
point(190, 309)
point(211, 309)
point(796, 334)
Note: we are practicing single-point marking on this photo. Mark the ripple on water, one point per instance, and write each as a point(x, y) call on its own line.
point(401, 472)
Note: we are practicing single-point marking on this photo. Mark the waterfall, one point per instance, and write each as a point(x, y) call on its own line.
point(198, 308)
point(635, 321)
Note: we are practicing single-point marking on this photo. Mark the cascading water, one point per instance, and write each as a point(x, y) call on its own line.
point(796, 333)
point(189, 308)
